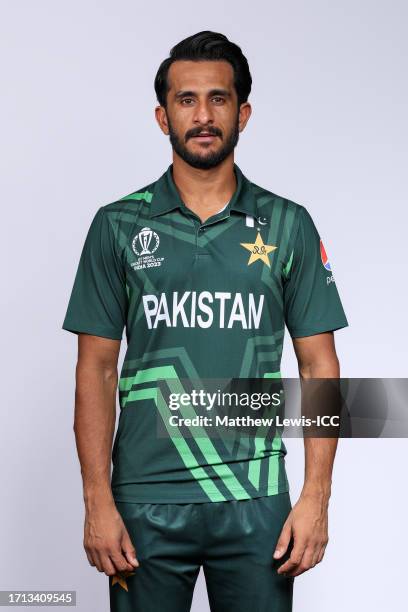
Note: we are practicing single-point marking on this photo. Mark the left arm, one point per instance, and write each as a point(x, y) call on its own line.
point(307, 523)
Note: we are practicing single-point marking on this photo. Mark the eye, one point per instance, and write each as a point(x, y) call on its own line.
point(187, 101)
point(218, 100)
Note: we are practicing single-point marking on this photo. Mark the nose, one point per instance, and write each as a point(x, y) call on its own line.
point(203, 113)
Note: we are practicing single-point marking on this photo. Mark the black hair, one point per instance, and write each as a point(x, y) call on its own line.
point(203, 46)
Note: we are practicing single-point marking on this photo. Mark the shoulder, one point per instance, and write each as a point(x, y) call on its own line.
point(130, 204)
point(127, 211)
point(279, 208)
point(291, 222)
point(117, 219)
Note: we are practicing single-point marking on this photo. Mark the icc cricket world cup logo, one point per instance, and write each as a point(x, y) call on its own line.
point(145, 242)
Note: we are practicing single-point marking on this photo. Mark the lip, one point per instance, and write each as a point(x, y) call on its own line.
point(205, 137)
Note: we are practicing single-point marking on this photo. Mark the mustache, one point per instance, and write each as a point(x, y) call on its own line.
point(197, 131)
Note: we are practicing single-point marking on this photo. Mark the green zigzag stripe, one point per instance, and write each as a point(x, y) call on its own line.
point(251, 347)
point(207, 447)
point(288, 266)
point(254, 471)
point(187, 456)
point(202, 440)
point(144, 195)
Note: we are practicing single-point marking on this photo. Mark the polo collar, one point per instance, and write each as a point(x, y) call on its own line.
point(166, 196)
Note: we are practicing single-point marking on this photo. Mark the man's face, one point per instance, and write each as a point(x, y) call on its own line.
point(202, 116)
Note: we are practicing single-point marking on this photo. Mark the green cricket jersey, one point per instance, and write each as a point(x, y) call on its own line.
point(199, 301)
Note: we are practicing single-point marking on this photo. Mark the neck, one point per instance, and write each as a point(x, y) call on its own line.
point(204, 191)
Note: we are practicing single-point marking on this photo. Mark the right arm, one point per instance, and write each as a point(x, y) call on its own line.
point(106, 540)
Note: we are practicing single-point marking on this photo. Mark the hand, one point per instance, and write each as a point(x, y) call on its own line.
point(307, 524)
point(107, 542)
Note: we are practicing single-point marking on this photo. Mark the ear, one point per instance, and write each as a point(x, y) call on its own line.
point(245, 111)
point(161, 118)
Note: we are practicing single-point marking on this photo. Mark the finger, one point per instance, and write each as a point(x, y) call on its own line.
point(315, 558)
point(103, 562)
point(88, 552)
point(309, 560)
point(288, 567)
point(131, 559)
point(107, 565)
point(305, 563)
point(129, 550)
point(283, 541)
point(120, 562)
point(97, 560)
point(91, 561)
point(321, 553)
point(294, 559)
point(298, 571)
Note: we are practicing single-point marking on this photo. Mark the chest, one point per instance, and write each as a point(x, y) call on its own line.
point(182, 253)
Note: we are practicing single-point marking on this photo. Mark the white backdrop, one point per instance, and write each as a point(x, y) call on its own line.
point(329, 130)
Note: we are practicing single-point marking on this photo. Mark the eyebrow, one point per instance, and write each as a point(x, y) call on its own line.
point(212, 92)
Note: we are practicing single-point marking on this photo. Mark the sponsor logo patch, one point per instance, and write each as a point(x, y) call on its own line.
point(323, 255)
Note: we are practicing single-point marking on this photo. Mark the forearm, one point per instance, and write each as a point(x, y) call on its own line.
point(320, 451)
point(94, 425)
point(319, 459)
point(307, 523)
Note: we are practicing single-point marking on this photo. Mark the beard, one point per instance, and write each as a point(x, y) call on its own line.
point(204, 161)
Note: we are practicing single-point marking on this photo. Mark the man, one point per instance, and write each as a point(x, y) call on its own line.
point(204, 269)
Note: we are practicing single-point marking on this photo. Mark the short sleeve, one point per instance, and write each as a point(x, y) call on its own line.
point(98, 302)
point(311, 301)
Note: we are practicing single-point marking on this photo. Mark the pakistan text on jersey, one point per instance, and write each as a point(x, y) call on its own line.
point(203, 309)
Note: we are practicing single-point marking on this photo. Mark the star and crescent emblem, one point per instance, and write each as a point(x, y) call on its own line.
point(259, 250)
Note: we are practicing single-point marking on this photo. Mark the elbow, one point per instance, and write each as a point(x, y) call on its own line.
point(320, 368)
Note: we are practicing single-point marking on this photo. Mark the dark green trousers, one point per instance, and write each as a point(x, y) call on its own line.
point(233, 541)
